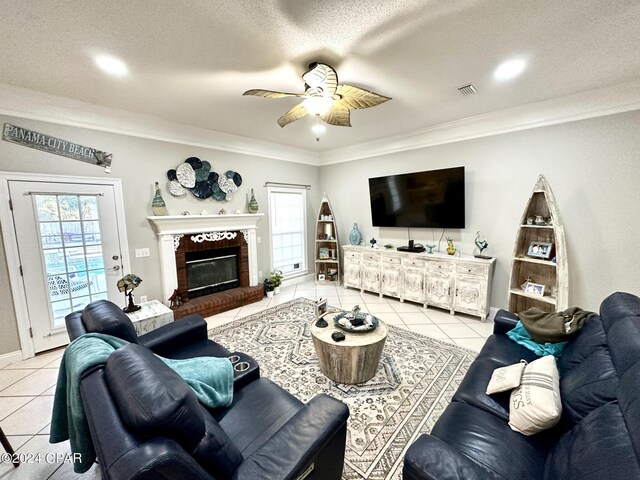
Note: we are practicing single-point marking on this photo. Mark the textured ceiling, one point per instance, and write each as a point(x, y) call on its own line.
point(190, 61)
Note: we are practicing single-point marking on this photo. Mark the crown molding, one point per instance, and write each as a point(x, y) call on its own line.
point(24, 103)
point(579, 106)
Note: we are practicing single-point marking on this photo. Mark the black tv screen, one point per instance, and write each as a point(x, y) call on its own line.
point(431, 199)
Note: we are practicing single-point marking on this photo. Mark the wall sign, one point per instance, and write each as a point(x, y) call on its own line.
point(46, 143)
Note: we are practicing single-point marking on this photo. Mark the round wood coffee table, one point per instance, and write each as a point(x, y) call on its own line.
point(353, 360)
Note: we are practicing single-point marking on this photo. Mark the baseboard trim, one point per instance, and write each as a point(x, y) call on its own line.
point(9, 358)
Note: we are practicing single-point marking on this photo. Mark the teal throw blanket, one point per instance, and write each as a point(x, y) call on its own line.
point(210, 378)
point(520, 335)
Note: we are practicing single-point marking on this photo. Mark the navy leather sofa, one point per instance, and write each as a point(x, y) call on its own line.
point(599, 433)
point(156, 429)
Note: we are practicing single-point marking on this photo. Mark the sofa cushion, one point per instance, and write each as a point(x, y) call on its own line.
point(103, 316)
point(490, 442)
point(598, 447)
point(154, 401)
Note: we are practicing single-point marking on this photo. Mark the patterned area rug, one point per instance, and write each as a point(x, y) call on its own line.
point(415, 381)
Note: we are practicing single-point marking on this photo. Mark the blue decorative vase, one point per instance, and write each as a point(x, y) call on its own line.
point(355, 237)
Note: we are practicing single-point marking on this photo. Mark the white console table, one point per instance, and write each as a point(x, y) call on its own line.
point(152, 314)
point(458, 284)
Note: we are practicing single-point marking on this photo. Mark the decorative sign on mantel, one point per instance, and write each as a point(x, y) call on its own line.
point(46, 143)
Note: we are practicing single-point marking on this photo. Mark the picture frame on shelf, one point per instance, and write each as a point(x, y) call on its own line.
point(540, 250)
point(321, 277)
point(323, 253)
point(534, 289)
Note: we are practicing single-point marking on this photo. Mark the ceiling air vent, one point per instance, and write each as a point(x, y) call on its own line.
point(468, 89)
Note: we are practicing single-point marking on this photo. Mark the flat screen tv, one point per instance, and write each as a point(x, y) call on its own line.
point(431, 199)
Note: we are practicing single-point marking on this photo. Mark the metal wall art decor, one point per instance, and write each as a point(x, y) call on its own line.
point(195, 175)
point(56, 146)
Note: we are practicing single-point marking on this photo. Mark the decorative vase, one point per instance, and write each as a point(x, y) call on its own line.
point(253, 204)
point(451, 250)
point(276, 290)
point(355, 237)
point(158, 207)
point(270, 293)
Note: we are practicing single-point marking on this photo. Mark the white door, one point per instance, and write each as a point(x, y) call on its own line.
point(69, 251)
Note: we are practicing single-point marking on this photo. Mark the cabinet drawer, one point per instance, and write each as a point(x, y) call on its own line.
point(475, 270)
point(440, 267)
point(371, 257)
point(386, 260)
point(413, 262)
point(352, 257)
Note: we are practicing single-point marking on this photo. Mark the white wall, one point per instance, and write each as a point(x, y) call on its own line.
point(592, 167)
point(139, 162)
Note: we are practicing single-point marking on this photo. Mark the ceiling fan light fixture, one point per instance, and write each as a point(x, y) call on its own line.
point(318, 129)
point(317, 106)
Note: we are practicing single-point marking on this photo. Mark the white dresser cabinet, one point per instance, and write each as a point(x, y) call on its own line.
point(458, 284)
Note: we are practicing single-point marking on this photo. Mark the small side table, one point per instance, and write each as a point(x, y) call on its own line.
point(152, 315)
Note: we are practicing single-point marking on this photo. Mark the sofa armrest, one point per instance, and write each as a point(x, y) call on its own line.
point(291, 451)
point(157, 458)
point(429, 458)
point(75, 327)
point(503, 322)
point(175, 335)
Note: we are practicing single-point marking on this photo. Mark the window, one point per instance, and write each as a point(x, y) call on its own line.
point(288, 225)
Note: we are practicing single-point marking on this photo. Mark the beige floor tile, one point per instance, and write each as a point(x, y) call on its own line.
point(65, 472)
point(29, 419)
point(390, 318)
point(280, 299)
point(458, 331)
point(403, 326)
point(406, 307)
point(474, 344)
point(17, 441)
point(429, 330)
point(372, 298)
point(51, 391)
point(39, 361)
point(8, 405)
point(334, 301)
point(415, 318)
point(54, 364)
point(39, 470)
point(249, 310)
point(34, 384)
point(441, 316)
point(326, 290)
point(378, 308)
point(483, 329)
point(9, 377)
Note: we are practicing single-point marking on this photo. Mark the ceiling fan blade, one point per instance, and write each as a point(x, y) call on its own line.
point(337, 115)
point(322, 79)
point(356, 97)
point(270, 94)
point(296, 113)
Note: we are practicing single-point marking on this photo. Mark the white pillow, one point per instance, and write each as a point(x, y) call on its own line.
point(535, 405)
point(506, 378)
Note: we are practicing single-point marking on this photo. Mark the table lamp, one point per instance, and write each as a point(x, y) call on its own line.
point(126, 284)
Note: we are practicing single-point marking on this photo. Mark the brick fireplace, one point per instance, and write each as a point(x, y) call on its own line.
point(210, 259)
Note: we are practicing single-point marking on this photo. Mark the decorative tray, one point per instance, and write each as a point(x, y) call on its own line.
point(364, 322)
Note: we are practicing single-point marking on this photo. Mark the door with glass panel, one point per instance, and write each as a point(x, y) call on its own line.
point(69, 251)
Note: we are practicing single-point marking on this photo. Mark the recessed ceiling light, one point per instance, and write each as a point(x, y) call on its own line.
point(509, 69)
point(112, 65)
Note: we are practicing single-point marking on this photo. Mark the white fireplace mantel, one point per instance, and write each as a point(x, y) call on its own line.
point(171, 228)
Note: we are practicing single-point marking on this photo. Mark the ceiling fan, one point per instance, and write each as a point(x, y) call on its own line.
point(324, 98)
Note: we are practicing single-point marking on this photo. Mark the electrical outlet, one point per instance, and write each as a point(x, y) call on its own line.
point(260, 274)
point(142, 252)
point(143, 298)
point(259, 239)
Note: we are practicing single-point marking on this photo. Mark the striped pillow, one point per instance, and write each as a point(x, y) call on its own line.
point(535, 405)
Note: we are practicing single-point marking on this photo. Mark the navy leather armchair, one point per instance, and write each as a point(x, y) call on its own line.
point(155, 428)
point(599, 433)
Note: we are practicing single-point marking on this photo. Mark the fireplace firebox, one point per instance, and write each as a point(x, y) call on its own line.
point(212, 271)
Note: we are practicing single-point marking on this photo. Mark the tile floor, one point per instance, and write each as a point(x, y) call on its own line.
point(27, 387)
